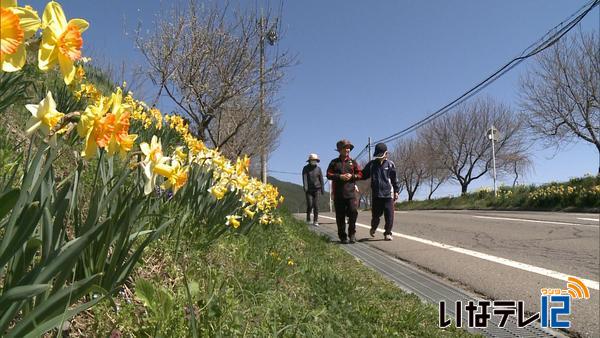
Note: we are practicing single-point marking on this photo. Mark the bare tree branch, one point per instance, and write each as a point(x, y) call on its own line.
point(205, 59)
point(561, 93)
point(458, 142)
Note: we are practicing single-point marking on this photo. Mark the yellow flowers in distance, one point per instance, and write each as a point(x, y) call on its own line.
point(17, 24)
point(61, 41)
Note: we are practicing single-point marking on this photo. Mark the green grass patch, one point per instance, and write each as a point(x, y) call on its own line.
point(277, 281)
point(578, 194)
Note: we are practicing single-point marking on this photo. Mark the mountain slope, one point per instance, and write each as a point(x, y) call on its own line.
point(294, 196)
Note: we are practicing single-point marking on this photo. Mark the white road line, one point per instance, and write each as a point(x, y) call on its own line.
point(536, 221)
point(514, 264)
point(588, 219)
point(401, 212)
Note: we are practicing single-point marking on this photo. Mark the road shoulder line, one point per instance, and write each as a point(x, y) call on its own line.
point(495, 259)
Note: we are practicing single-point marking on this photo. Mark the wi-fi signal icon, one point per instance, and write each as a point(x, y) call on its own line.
point(577, 289)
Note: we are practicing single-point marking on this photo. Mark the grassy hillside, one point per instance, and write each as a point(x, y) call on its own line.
point(294, 196)
point(577, 194)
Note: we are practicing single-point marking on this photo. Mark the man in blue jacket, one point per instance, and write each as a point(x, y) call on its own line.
point(384, 190)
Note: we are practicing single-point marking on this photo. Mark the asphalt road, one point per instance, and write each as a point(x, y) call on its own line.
point(500, 255)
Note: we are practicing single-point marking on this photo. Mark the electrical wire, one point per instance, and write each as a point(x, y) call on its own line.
point(283, 172)
point(549, 39)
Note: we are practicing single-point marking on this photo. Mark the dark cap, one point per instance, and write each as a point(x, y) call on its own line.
point(343, 144)
point(380, 150)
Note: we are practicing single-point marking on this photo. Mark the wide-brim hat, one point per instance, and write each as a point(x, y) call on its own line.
point(343, 143)
point(380, 150)
point(313, 157)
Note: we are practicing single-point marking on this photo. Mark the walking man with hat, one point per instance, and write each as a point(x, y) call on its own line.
point(343, 172)
point(312, 180)
point(384, 190)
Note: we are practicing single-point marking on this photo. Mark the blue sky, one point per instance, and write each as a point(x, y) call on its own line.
point(371, 68)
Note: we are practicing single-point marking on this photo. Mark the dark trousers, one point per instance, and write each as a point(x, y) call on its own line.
point(346, 207)
point(312, 204)
point(385, 207)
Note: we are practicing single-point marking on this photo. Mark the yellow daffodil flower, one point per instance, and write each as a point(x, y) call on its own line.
point(242, 165)
point(79, 73)
point(121, 141)
point(151, 171)
point(156, 114)
point(217, 191)
point(194, 145)
point(227, 168)
point(45, 116)
point(96, 127)
point(17, 24)
point(61, 41)
point(264, 219)
point(175, 174)
point(233, 220)
point(153, 163)
point(153, 151)
point(248, 212)
point(248, 199)
point(180, 154)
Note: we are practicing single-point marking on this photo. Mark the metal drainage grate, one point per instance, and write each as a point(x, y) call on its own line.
point(432, 290)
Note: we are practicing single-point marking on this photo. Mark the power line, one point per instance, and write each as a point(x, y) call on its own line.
point(543, 43)
point(490, 79)
point(362, 152)
point(283, 172)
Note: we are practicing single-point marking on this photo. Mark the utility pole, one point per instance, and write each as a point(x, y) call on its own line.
point(493, 135)
point(369, 149)
point(261, 99)
point(271, 36)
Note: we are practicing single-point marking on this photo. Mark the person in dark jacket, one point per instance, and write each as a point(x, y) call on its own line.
point(384, 190)
point(343, 172)
point(312, 180)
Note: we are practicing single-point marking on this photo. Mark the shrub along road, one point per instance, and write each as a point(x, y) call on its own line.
point(500, 255)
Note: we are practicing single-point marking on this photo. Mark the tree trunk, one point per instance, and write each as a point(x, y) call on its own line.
point(430, 188)
point(464, 187)
point(598, 146)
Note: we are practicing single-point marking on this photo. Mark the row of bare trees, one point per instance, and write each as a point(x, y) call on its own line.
point(559, 105)
point(456, 147)
point(206, 60)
